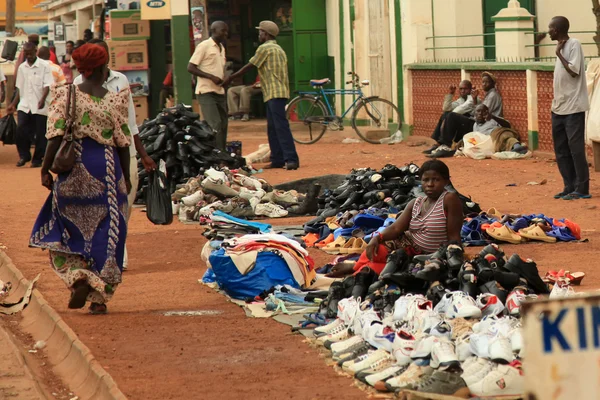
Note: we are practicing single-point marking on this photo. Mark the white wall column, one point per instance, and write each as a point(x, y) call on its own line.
point(514, 28)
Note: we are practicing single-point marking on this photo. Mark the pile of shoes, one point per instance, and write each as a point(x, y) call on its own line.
point(186, 144)
point(436, 324)
point(240, 195)
point(390, 188)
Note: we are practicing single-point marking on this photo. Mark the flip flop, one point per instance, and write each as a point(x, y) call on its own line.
point(472, 226)
point(347, 246)
point(358, 246)
point(536, 233)
point(310, 239)
point(325, 242)
point(504, 234)
point(576, 196)
point(475, 238)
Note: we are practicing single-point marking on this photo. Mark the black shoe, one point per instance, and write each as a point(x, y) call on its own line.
point(432, 271)
point(467, 279)
point(342, 197)
point(391, 171)
point(440, 254)
point(309, 205)
point(485, 273)
point(186, 112)
point(336, 293)
point(528, 270)
point(435, 293)
point(395, 263)
point(508, 280)
point(493, 288)
point(455, 256)
point(352, 202)
point(79, 295)
point(432, 148)
point(36, 165)
point(496, 251)
point(362, 281)
point(21, 162)
point(291, 166)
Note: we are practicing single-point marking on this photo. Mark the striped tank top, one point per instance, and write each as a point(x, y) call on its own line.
point(428, 231)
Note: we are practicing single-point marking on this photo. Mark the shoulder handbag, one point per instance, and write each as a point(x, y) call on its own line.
point(64, 160)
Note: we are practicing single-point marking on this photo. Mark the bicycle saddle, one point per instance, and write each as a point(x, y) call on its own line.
point(319, 82)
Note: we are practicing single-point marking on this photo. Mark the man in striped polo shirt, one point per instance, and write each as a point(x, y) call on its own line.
point(271, 61)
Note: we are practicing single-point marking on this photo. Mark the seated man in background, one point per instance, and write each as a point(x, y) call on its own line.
point(238, 99)
point(483, 120)
point(461, 107)
point(504, 138)
point(492, 98)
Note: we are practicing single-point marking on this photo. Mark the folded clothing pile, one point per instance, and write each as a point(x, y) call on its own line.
point(242, 196)
point(186, 144)
point(248, 265)
point(515, 229)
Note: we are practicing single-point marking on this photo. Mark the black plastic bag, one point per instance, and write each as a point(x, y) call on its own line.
point(158, 199)
point(8, 129)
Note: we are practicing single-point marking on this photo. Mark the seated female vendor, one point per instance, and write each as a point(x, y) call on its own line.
point(425, 224)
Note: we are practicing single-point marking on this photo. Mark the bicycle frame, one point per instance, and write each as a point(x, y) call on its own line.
point(325, 93)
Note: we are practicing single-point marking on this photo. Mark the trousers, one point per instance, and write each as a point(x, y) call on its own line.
point(281, 141)
point(238, 99)
point(568, 134)
point(214, 111)
point(31, 130)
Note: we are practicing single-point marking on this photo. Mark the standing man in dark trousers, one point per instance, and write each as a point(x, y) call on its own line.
point(271, 61)
point(32, 87)
point(208, 64)
point(568, 112)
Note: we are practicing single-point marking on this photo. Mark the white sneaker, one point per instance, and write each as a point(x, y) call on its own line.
point(247, 182)
point(193, 198)
point(442, 330)
point(251, 194)
point(326, 329)
point(463, 349)
point(418, 307)
point(485, 324)
point(503, 380)
point(500, 349)
point(495, 325)
point(339, 334)
point(364, 319)
point(443, 354)
point(424, 321)
point(401, 305)
point(372, 361)
point(270, 210)
point(423, 347)
point(515, 299)
point(477, 370)
point(215, 175)
point(516, 339)
point(383, 375)
point(458, 305)
point(561, 291)
point(210, 208)
point(409, 379)
point(347, 364)
point(403, 346)
point(490, 304)
point(479, 343)
point(347, 310)
point(175, 205)
point(380, 336)
point(343, 346)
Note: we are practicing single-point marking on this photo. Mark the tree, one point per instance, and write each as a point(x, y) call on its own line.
point(11, 12)
point(596, 10)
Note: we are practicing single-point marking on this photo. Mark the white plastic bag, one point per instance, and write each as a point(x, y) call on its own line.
point(478, 145)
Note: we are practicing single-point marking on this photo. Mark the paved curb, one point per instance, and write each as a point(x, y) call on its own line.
point(72, 361)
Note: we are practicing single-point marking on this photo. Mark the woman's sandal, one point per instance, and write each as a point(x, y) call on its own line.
point(81, 289)
point(98, 309)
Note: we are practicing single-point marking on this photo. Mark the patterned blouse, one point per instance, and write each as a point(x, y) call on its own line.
point(102, 119)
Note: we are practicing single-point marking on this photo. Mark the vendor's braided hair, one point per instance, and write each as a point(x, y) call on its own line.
point(435, 165)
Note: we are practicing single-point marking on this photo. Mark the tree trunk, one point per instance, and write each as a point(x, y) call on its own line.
point(11, 12)
point(596, 10)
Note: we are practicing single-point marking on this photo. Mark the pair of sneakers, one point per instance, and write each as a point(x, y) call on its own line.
point(485, 378)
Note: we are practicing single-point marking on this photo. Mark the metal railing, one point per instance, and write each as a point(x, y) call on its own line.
point(459, 47)
point(552, 58)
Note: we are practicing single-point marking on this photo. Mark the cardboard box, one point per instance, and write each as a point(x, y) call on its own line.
point(128, 56)
point(128, 25)
point(139, 82)
point(141, 109)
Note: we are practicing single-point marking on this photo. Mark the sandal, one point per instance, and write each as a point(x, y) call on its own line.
point(81, 289)
point(98, 309)
point(494, 213)
point(335, 246)
point(348, 246)
point(504, 234)
point(576, 196)
point(535, 232)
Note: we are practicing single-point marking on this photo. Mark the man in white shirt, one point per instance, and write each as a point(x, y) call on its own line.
point(33, 85)
point(115, 82)
point(208, 65)
point(568, 112)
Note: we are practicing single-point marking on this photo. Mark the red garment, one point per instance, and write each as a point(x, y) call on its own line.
point(53, 57)
point(168, 82)
point(378, 262)
point(89, 57)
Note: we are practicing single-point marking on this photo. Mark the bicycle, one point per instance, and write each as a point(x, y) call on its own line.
point(310, 113)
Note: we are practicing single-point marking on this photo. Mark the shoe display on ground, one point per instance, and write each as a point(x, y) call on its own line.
point(475, 369)
point(502, 380)
point(458, 305)
point(409, 379)
point(385, 374)
point(270, 210)
point(443, 355)
point(516, 298)
point(373, 360)
point(444, 382)
point(561, 290)
point(403, 346)
point(489, 304)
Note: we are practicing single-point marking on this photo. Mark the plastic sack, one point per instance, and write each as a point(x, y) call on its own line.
point(8, 129)
point(478, 145)
point(158, 199)
point(268, 271)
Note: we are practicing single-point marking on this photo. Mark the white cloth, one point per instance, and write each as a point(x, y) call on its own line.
point(31, 81)
point(460, 106)
point(243, 261)
point(570, 93)
point(478, 145)
point(116, 82)
point(2, 77)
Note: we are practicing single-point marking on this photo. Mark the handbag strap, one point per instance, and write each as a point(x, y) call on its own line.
point(70, 113)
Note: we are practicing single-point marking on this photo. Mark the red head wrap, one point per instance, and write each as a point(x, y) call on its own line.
point(89, 57)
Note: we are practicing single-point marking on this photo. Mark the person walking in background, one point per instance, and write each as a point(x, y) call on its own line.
point(32, 88)
point(208, 65)
point(57, 73)
point(89, 201)
point(271, 61)
point(116, 82)
point(238, 99)
point(66, 63)
point(33, 39)
point(568, 112)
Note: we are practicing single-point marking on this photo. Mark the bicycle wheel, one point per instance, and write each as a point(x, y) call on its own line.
point(306, 115)
point(373, 115)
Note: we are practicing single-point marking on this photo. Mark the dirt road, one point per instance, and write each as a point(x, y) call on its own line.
point(152, 356)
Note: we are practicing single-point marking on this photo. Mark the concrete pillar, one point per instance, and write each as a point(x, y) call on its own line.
point(532, 109)
point(417, 26)
point(514, 26)
point(180, 42)
point(83, 21)
point(453, 29)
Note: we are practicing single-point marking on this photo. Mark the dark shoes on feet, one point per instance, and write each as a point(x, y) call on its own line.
point(288, 166)
point(81, 289)
point(21, 162)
